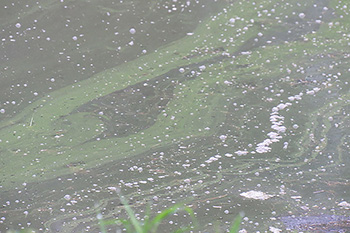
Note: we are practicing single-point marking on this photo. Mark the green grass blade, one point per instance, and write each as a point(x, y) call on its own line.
point(110, 222)
point(147, 220)
point(165, 213)
point(127, 224)
point(193, 217)
point(102, 227)
point(137, 225)
point(183, 229)
point(101, 223)
point(153, 225)
point(236, 224)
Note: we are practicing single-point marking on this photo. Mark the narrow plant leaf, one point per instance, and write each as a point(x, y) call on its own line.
point(165, 213)
point(147, 221)
point(110, 222)
point(236, 224)
point(137, 225)
point(193, 217)
point(102, 226)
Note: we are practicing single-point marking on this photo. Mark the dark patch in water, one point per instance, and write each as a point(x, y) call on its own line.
point(132, 109)
point(321, 223)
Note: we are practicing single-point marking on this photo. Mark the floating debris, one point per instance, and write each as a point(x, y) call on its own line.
point(344, 204)
point(67, 197)
point(274, 229)
point(240, 152)
point(257, 195)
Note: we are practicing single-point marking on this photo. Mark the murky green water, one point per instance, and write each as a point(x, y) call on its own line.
point(171, 101)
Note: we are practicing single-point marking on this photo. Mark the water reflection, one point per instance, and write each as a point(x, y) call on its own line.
point(244, 110)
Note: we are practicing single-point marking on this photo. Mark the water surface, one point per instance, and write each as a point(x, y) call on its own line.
point(204, 102)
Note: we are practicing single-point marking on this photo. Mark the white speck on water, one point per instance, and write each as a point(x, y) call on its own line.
point(187, 181)
point(263, 149)
point(35, 93)
point(2, 110)
point(246, 52)
point(130, 185)
point(274, 229)
point(202, 68)
point(241, 152)
point(223, 137)
point(67, 197)
point(283, 106)
point(274, 109)
point(344, 204)
point(311, 92)
point(211, 159)
point(279, 129)
point(18, 25)
point(181, 70)
point(75, 38)
point(291, 98)
point(52, 80)
point(317, 89)
point(132, 31)
point(274, 135)
point(301, 15)
point(112, 188)
point(232, 20)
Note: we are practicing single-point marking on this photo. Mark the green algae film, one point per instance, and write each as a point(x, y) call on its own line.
point(256, 98)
